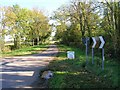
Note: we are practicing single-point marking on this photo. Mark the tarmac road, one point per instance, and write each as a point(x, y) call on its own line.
point(22, 71)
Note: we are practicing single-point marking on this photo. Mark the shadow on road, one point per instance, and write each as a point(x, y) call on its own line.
point(23, 71)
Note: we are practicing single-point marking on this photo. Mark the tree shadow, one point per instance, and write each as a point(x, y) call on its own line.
point(74, 75)
point(18, 72)
point(19, 76)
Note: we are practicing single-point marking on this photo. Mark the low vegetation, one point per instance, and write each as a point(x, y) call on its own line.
point(76, 74)
point(25, 50)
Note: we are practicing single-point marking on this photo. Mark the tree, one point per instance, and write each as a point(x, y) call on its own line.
point(2, 28)
point(13, 20)
point(23, 23)
point(83, 18)
point(111, 23)
point(39, 27)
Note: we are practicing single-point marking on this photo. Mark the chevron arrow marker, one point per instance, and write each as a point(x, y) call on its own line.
point(94, 42)
point(102, 42)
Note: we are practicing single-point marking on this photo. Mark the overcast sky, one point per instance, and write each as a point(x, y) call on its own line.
point(47, 5)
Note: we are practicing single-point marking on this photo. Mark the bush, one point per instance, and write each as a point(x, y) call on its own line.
point(6, 49)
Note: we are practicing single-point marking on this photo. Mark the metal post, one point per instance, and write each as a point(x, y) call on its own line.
point(92, 55)
point(103, 58)
point(86, 52)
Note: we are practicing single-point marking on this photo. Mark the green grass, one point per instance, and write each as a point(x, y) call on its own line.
point(75, 74)
point(27, 50)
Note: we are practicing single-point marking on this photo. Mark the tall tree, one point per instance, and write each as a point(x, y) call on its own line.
point(111, 19)
point(38, 24)
point(24, 23)
point(81, 15)
point(3, 30)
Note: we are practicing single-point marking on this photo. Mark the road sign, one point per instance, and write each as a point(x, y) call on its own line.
point(70, 54)
point(102, 42)
point(94, 42)
point(97, 42)
point(83, 40)
point(101, 47)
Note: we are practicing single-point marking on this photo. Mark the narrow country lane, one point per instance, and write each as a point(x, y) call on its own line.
point(22, 71)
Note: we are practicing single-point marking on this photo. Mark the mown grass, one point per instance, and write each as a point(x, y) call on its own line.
point(26, 50)
point(75, 74)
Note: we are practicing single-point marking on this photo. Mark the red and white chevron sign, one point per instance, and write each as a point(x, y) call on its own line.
point(102, 42)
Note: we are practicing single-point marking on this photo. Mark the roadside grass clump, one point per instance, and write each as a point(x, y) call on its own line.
point(74, 73)
point(26, 50)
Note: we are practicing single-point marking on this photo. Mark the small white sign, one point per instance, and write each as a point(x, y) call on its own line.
point(70, 54)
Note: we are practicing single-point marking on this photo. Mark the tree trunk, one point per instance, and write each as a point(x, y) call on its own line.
point(114, 28)
point(17, 42)
point(2, 43)
point(38, 41)
point(33, 42)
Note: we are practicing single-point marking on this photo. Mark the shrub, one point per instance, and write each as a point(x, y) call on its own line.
point(6, 49)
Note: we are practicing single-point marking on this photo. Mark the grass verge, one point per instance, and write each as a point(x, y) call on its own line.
point(27, 50)
point(75, 74)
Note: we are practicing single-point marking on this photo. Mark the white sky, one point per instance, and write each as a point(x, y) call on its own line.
point(47, 5)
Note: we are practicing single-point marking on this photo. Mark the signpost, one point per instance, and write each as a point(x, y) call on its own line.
point(86, 44)
point(101, 47)
point(93, 46)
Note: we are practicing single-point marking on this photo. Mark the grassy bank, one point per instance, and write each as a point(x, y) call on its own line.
point(26, 50)
point(75, 74)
